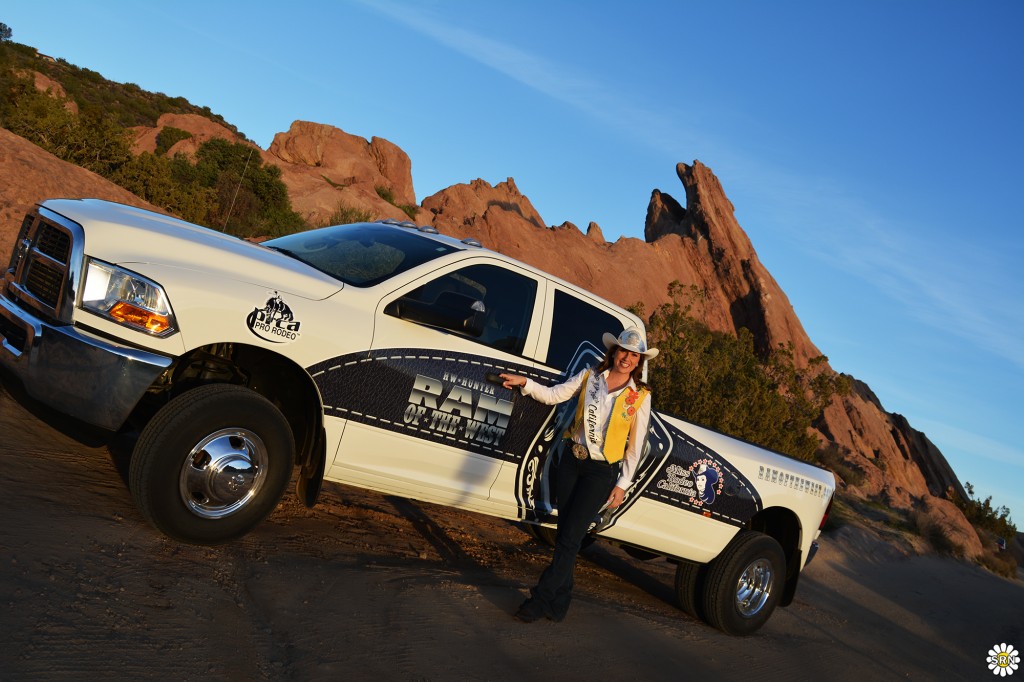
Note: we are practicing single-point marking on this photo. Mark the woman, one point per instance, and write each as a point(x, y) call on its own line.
point(606, 437)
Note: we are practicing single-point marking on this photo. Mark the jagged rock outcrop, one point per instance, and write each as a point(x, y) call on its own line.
point(479, 201)
point(323, 168)
point(947, 523)
point(700, 243)
point(753, 298)
point(326, 168)
point(626, 272)
point(900, 465)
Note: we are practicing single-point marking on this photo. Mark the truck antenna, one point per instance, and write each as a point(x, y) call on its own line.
point(238, 187)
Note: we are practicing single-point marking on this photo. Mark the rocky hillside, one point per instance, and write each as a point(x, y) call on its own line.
point(695, 241)
point(28, 174)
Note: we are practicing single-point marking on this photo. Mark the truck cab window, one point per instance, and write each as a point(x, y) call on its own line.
point(574, 322)
point(507, 299)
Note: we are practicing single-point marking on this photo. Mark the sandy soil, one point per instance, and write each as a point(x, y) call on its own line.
point(373, 587)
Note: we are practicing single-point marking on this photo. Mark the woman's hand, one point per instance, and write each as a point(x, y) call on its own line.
point(513, 380)
point(616, 498)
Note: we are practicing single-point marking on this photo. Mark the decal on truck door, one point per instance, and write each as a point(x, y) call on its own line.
point(440, 396)
point(445, 398)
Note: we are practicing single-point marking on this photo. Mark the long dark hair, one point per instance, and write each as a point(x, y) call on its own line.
point(635, 375)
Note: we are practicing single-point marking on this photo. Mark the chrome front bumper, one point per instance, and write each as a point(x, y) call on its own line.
point(81, 375)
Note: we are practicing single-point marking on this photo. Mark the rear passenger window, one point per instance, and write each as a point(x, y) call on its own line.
point(574, 322)
point(508, 299)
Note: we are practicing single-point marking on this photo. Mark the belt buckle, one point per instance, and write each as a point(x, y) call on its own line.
point(580, 450)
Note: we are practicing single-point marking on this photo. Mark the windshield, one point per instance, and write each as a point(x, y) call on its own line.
point(362, 254)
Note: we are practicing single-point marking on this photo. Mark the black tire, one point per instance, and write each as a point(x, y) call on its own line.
point(545, 535)
point(743, 584)
point(689, 586)
point(212, 464)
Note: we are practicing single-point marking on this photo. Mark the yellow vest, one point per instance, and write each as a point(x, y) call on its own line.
point(621, 418)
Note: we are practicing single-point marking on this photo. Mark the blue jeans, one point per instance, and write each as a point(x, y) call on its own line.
point(583, 487)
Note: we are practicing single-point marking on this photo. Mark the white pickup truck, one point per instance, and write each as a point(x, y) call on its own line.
point(365, 354)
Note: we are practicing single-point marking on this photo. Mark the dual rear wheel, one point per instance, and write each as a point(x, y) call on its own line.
point(738, 590)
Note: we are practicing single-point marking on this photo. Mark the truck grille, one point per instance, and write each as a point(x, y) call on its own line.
point(44, 277)
point(44, 265)
point(53, 242)
point(43, 281)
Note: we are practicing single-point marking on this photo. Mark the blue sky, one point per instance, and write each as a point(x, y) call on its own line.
point(873, 150)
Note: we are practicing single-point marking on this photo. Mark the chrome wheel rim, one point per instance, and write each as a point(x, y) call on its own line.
point(223, 473)
point(754, 587)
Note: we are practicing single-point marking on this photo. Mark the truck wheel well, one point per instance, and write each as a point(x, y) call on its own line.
point(278, 379)
point(783, 525)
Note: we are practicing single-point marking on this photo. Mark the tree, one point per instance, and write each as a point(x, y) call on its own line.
point(251, 198)
point(155, 179)
point(982, 515)
point(718, 380)
point(5, 32)
point(92, 140)
point(168, 137)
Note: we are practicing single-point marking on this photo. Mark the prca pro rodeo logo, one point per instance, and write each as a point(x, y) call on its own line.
point(274, 322)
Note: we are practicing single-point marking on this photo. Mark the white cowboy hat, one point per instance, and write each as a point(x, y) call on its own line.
point(630, 339)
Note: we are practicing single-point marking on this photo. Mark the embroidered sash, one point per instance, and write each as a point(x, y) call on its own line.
point(616, 430)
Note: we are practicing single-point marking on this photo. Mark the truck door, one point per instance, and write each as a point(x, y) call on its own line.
point(437, 428)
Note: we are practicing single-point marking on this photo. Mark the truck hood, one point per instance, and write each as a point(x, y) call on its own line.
point(124, 235)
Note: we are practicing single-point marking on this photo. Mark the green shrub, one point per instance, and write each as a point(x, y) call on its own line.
point(831, 457)
point(168, 137)
point(1003, 564)
point(983, 515)
point(388, 195)
point(92, 140)
point(152, 178)
point(124, 103)
point(345, 214)
point(936, 537)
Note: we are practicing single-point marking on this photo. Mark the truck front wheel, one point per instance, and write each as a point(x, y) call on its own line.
point(212, 464)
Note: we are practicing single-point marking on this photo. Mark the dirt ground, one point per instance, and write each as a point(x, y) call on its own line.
point(367, 586)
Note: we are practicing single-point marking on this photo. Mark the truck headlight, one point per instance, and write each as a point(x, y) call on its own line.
point(127, 298)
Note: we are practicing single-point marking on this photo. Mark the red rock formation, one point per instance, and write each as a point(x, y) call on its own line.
point(30, 175)
point(322, 167)
point(944, 519)
point(900, 464)
point(325, 168)
point(700, 243)
point(44, 83)
point(202, 129)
